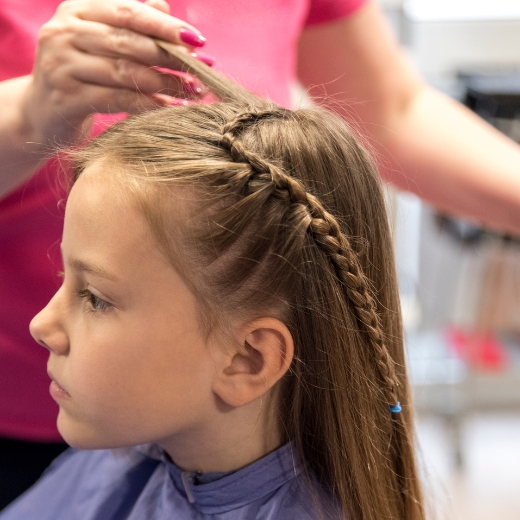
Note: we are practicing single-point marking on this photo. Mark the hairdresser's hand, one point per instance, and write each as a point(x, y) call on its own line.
point(96, 56)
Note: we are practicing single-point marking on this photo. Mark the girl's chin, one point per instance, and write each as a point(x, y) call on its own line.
point(80, 436)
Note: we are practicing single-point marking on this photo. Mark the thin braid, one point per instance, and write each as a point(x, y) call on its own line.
point(327, 234)
point(236, 125)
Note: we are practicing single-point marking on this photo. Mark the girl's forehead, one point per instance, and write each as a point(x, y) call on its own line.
point(104, 211)
point(102, 178)
point(103, 229)
point(99, 219)
point(129, 186)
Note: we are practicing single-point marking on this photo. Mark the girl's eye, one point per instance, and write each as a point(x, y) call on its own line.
point(96, 304)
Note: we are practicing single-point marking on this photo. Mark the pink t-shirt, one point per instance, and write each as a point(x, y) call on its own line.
point(254, 43)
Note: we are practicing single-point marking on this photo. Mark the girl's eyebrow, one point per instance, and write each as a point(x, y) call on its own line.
point(80, 265)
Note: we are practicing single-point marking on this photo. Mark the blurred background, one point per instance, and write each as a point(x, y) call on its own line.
point(460, 283)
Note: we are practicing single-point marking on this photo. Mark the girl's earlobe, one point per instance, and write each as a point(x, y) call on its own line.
point(262, 356)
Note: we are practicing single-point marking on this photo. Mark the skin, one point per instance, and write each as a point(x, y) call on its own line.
point(125, 343)
point(425, 142)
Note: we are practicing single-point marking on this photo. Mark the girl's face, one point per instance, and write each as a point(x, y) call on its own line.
point(122, 330)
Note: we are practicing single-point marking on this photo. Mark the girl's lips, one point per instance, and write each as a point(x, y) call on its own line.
point(57, 392)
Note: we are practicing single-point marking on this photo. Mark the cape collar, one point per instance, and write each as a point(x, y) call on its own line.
point(214, 493)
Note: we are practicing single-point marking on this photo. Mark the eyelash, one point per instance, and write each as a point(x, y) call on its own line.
point(96, 304)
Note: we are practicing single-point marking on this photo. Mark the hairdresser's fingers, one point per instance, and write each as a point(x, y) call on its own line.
point(65, 123)
point(135, 16)
point(161, 5)
point(127, 74)
point(55, 102)
point(104, 100)
point(115, 42)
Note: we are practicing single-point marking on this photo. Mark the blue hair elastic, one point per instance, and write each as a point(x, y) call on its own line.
point(395, 409)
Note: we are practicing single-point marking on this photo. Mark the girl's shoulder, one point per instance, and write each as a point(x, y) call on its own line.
point(78, 483)
point(306, 503)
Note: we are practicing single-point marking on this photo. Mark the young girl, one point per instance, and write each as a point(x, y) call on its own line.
point(229, 309)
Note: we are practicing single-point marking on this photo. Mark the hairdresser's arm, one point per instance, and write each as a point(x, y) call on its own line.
point(92, 57)
point(428, 144)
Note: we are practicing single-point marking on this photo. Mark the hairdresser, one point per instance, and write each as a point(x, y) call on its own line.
point(95, 57)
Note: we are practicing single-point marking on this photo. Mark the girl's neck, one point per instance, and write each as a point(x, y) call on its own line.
point(229, 441)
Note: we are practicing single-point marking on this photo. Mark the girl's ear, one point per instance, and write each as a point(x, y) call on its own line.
point(262, 355)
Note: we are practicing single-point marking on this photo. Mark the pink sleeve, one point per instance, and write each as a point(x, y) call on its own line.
point(322, 11)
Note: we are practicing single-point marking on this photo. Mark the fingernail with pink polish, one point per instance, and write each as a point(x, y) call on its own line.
point(176, 102)
point(205, 58)
point(192, 38)
point(192, 88)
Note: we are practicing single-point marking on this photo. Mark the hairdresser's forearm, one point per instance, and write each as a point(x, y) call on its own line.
point(21, 149)
point(428, 144)
point(450, 157)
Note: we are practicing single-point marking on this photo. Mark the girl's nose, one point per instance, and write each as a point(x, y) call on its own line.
point(47, 327)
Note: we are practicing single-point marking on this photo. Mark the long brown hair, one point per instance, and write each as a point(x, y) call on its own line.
point(288, 219)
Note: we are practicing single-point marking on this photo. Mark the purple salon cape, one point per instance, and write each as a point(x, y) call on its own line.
point(142, 484)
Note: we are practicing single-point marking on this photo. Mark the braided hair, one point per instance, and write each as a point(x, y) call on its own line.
point(288, 220)
point(327, 234)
